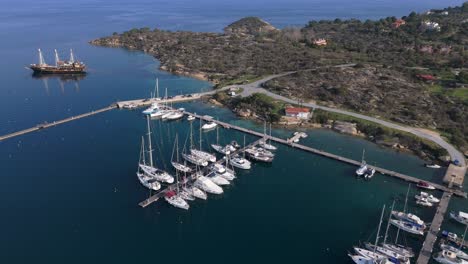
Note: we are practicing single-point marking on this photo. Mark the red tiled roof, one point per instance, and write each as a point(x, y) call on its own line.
point(296, 110)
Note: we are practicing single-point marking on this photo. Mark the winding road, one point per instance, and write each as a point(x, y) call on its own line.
point(256, 87)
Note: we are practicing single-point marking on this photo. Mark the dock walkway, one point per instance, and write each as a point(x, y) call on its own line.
point(398, 175)
point(431, 237)
point(55, 123)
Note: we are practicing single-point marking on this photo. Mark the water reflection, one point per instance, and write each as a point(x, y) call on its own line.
point(62, 79)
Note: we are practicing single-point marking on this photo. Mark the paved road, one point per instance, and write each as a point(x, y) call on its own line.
point(255, 87)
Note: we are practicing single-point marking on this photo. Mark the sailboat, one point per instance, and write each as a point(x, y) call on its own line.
point(406, 252)
point(207, 185)
point(224, 171)
point(146, 181)
point(363, 168)
point(176, 164)
point(372, 252)
point(264, 143)
point(226, 150)
point(240, 161)
point(448, 257)
point(150, 170)
point(154, 106)
point(200, 153)
point(458, 251)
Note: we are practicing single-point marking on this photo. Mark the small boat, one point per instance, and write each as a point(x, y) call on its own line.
point(203, 155)
point(239, 162)
point(153, 108)
point(235, 144)
point(408, 227)
point(458, 252)
point(175, 200)
point(453, 238)
point(174, 115)
point(196, 192)
point(224, 172)
point(259, 157)
point(460, 217)
point(207, 185)
point(448, 257)
point(433, 166)
point(408, 217)
point(130, 106)
point(195, 159)
point(209, 126)
point(429, 197)
point(425, 185)
point(181, 167)
point(424, 202)
point(190, 118)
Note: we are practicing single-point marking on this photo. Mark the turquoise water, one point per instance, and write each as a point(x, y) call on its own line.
point(69, 194)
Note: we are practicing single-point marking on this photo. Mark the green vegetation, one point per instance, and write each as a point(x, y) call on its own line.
point(384, 135)
point(384, 82)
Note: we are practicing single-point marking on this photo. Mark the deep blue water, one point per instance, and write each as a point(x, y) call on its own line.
point(69, 194)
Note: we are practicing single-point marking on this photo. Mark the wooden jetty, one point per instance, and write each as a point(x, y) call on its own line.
point(398, 175)
point(431, 237)
point(173, 186)
point(56, 123)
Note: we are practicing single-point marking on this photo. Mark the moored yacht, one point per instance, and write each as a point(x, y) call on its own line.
point(174, 115)
point(224, 172)
point(408, 227)
point(429, 197)
point(424, 202)
point(363, 168)
point(203, 155)
point(457, 251)
point(217, 179)
point(239, 162)
point(425, 185)
point(448, 257)
point(157, 174)
point(207, 185)
point(175, 200)
point(460, 217)
point(153, 108)
point(196, 192)
point(209, 126)
point(148, 182)
point(195, 160)
point(181, 167)
point(412, 218)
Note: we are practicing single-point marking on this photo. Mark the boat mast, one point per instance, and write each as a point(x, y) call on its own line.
point(72, 57)
point(270, 134)
point(41, 58)
point(463, 239)
point(217, 135)
point(149, 142)
point(388, 223)
point(57, 59)
point(157, 88)
point(200, 139)
point(191, 135)
point(378, 230)
point(244, 147)
point(404, 211)
point(363, 154)
point(142, 155)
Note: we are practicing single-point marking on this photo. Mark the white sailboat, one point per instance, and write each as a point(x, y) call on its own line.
point(176, 164)
point(154, 106)
point(209, 125)
point(146, 181)
point(363, 168)
point(207, 185)
point(196, 192)
point(458, 251)
point(224, 171)
point(174, 199)
point(265, 143)
point(403, 251)
point(200, 153)
point(150, 170)
point(409, 218)
point(240, 161)
point(408, 227)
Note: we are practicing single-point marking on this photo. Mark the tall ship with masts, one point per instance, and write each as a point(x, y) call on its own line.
point(72, 66)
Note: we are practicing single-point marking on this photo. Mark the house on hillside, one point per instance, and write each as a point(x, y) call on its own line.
point(320, 42)
point(426, 78)
point(297, 112)
point(429, 25)
point(398, 23)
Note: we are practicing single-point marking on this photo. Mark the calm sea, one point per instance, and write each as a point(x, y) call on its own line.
point(69, 194)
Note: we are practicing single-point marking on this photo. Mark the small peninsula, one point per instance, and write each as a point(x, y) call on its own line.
point(410, 70)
